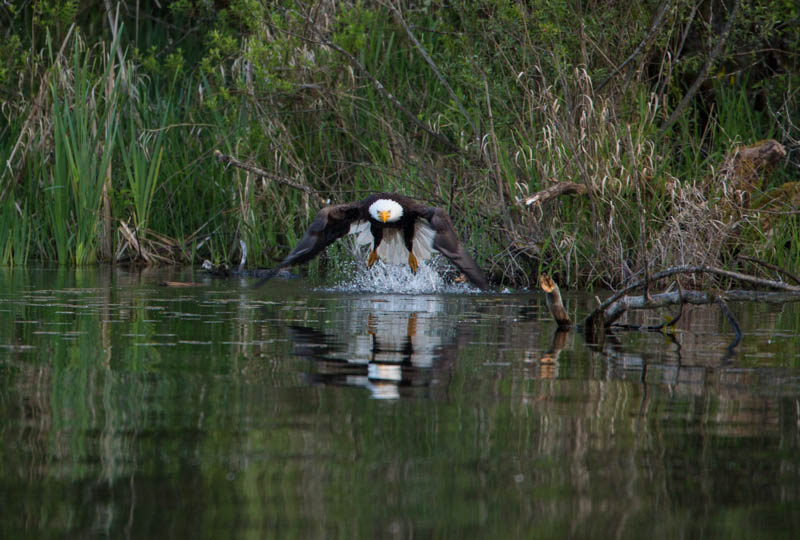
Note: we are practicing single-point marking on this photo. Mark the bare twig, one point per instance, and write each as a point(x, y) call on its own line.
point(380, 88)
point(433, 67)
point(230, 160)
point(772, 267)
point(641, 211)
point(493, 137)
point(701, 76)
point(657, 21)
point(130, 238)
point(33, 116)
point(560, 188)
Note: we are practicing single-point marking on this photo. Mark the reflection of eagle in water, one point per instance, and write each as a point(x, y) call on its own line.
point(400, 229)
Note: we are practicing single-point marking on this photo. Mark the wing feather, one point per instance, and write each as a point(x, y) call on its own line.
point(334, 222)
point(330, 224)
point(445, 241)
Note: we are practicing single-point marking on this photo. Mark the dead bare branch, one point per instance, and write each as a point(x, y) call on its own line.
point(701, 76)
point(551, 192)
point(692, 270)
point(380, 87)
point(772, 267)
point(657, 21)
point(434, 68)
point(230, 160)
point(671, 298)
point(34, 114)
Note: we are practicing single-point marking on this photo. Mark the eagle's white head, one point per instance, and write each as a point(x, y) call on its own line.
point(386, 210)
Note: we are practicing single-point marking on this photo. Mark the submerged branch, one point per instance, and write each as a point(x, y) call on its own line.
point(737, 330)
point(691, 270)
point(660, 300)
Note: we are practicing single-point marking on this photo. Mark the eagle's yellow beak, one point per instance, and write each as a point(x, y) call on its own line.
point(384, 215)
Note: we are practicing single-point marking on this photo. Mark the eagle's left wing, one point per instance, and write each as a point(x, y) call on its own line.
point(445, 241)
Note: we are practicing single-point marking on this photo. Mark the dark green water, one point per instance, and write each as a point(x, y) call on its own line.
point(132, 410)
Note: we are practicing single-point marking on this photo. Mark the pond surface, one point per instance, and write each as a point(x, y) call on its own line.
point(133, 410)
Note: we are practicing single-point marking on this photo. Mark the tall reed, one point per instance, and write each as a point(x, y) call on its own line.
point(85, 125)
point(15, 233)
point(142, 166)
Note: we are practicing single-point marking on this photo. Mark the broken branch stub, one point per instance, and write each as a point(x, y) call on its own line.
point(554, 302)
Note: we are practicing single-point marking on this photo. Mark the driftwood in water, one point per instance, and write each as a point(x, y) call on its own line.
point(598, 322)
point(608, 312)
point(604, 308)
point(180, 284)
point(614, 311)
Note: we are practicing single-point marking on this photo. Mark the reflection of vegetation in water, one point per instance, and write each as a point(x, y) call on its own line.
point(148, 405)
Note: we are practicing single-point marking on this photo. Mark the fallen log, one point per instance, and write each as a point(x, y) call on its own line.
point(609, 311)
point(615, 310)
point(590, 319)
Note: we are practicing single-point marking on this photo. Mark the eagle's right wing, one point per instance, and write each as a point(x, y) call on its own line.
point(331, 223)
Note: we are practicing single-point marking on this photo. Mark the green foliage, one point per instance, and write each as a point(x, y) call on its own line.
point(15, 234)
point(142, 170)
point(354, 26)
point(12, 60)
point(264, 81)
point(48, 12)
point(84, 133)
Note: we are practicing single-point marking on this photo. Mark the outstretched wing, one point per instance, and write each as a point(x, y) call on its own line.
point(445, 241)
point(331, 223)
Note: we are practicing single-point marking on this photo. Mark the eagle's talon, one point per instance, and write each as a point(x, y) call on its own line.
point(373, 258)
point(412, 263)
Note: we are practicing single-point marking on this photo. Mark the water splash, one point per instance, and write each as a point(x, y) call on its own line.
point(387, 278)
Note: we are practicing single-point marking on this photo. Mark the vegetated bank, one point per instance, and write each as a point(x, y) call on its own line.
point(112, 118)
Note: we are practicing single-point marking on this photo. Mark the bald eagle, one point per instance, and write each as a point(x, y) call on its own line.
point(399, 228)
